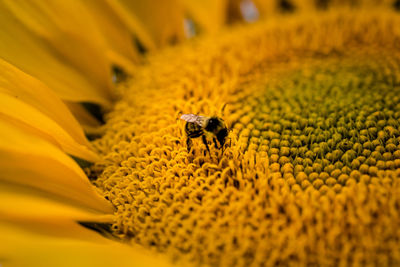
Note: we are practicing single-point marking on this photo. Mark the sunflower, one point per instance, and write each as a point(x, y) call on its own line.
point(95, 169)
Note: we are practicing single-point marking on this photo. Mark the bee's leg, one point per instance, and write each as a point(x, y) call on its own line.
point(203, 137)
point(188, 143)
point(224, 146)
point(215, 142)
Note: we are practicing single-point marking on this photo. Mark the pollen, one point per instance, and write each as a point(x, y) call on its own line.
point(310, 174)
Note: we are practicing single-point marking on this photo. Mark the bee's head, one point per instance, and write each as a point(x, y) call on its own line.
point(214, 124)
point(217, 126)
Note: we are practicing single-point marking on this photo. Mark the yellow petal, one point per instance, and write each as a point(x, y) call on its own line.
point(89, 123)
point(24, 98)
point(20, 247)
point(28, 159)
point(16, 109)
point(55, 227)
point(154, 22)
point(210, 15)
point(23, 204)
point(117, 35)
point(267, 8)
point(58, 43)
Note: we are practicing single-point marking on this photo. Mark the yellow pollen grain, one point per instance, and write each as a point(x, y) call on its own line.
point(311, 172)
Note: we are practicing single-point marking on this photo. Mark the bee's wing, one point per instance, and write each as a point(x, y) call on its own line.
point(199, 120)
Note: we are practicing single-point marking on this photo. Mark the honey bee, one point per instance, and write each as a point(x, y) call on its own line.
point(203, 126)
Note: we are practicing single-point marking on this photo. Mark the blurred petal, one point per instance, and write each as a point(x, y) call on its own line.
point(26, 158)
point(23, 204)
point(88, 122)
point(57, 228)
point(154, 22)
point(210, 15)
point(24, 98)
point(115, 32)
point(24, 248)
point(266, 8)
point(58, 43)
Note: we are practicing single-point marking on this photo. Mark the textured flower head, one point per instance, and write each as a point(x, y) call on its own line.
point(311, 172)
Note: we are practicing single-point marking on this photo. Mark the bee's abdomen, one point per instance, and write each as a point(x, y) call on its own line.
point(193, 130)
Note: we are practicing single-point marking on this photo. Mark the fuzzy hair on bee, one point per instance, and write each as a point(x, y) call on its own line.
point(202, 126)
